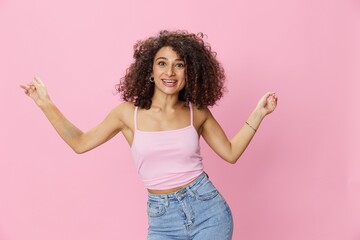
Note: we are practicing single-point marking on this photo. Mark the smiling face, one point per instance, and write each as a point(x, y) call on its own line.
point(168, 72)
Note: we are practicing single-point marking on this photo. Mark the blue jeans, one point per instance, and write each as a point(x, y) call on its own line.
point(197, 212)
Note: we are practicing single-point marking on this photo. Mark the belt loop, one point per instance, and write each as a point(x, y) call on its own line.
point(190, 191)
point(166, 201)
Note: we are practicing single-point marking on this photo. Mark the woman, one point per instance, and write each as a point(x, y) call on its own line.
point(167, 91)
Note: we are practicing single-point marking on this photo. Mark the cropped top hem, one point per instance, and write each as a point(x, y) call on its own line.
point(163, 186)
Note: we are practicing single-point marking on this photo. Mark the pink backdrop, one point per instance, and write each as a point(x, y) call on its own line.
point(300, 177)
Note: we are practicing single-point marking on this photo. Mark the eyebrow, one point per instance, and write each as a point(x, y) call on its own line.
point(164, 58)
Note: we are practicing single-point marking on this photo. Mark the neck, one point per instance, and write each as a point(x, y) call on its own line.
point(165, 102)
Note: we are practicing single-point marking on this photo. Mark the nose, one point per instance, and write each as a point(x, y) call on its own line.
point(170, 70)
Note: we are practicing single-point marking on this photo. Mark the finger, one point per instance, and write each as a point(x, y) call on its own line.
point(274, 104)
point(268, 94)
point(274, 97)
point(26, 87)
point(26, 90)
point(32, 87)
point(270, 97)
point(38, 80)
point(36, 84)
point(23, 87)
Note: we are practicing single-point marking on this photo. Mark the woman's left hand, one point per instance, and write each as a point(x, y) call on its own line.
point(267, 103)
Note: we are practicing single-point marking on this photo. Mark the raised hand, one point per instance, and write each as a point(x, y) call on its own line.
point(267, 103)
point(37, 91)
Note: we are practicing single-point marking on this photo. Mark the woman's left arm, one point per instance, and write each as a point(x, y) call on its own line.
point(231, 150)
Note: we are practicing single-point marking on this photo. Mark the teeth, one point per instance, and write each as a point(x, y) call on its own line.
point(170, 81)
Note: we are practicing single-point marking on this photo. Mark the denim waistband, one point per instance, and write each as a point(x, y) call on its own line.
point(198, 182)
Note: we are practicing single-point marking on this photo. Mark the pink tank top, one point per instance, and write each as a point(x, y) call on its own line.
point(167, 159)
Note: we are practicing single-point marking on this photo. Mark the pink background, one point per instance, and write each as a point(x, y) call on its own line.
point(300, 177)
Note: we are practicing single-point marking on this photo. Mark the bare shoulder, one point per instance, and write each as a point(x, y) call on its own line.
point(119, 119)
point(125, 107)
point(123, 110)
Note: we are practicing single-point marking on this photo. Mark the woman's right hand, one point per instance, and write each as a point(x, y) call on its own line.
point(37, 91)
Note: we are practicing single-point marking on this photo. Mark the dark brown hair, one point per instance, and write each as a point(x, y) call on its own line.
point(204, 74)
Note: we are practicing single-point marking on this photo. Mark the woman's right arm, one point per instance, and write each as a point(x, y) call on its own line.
point(79, 141)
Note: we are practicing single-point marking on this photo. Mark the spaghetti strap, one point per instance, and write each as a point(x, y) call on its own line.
point(191, 114)
point(135, 116)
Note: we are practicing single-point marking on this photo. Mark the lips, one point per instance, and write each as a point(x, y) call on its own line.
point(169, 82)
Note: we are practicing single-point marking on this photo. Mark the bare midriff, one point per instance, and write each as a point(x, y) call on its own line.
point(171, 190)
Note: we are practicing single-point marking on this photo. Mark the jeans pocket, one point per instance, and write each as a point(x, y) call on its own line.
point(155, 209)
point(206, 191)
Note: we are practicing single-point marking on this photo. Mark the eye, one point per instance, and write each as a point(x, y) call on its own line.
point(161, 63)
point(180, 65)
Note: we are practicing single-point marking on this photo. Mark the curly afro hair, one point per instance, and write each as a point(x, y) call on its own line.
point(204, 74)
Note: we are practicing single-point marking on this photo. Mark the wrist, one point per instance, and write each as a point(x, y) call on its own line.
point(45, 104)
point(258, 114)
point(255, 119)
